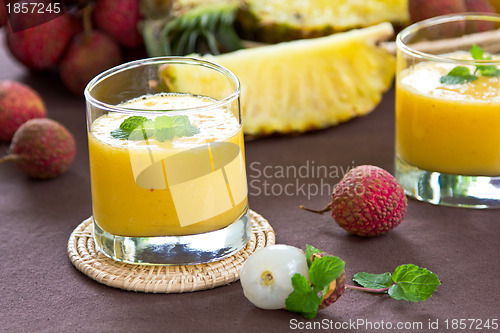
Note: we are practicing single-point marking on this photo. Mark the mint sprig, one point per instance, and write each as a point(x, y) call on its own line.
point(163, 128)
point(408, 282)
point(486, 70)
point(307, 295)
point(458, 75)
point(411, 283)
point(462, 74)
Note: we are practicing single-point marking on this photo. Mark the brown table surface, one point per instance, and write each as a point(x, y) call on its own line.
point(40, 290)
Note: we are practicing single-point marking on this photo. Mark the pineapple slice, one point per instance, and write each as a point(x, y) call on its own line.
point(312, 83)
point(273, 21)
point(305, 84)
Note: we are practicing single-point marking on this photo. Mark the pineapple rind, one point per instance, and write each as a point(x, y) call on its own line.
point(311, 84)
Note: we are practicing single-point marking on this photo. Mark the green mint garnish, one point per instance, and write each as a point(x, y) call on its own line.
point(303, 299)
point(373, 281)
point(324, 270)
point(306, 296)
point(461, 74)
point(310, 250)
point(163, 128)
point(166, 128)
point(458, 75)
point(411, 283)
point(408, 282)
point(486, 70)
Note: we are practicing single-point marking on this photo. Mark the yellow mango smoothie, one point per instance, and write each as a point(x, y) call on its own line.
point(448, 128)
point(180, 185)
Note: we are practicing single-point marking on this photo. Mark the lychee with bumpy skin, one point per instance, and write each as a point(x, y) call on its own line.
point(367, 202)
point(88, 55)
point(18, 104)
point(40, 46)
point(42, 148)
point(119, 18)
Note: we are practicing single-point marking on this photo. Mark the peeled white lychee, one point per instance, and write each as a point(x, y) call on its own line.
point(266, 276)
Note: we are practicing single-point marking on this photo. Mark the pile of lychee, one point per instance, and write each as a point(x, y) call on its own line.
point(41, 147)
point(81, 43)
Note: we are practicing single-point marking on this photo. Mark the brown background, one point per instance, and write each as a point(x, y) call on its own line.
point(40, 290)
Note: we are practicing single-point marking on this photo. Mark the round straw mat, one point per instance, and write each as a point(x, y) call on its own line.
point(163, 279)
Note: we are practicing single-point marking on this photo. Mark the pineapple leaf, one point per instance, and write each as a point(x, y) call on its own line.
point(203, 29)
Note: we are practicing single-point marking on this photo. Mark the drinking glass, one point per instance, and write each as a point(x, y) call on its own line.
point(167, 164)
point(448, 110)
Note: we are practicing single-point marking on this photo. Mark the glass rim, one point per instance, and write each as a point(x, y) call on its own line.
point(415, 27)
point(162, 60)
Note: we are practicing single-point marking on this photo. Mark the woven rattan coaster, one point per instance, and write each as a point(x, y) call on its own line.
point(163, 279)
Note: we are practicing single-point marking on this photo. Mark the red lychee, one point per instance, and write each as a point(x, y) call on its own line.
point(479, 6)
point(88, 55)
point(424, 9)
point(367, 202)
point(39, 46)
point(42, 148)
point(119, 18)
point(3, 13)
point(18, 104)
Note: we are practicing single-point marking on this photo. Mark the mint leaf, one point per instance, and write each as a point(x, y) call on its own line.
point(120, 134)
point(486, 70)
point(310, 250)
point(134, 128)
point(144, 131)
point(374, 281)
point(168, 127)
point(302, 299)
point(163, 128)
point(476, 52)
point(413, 283)
point(132, 122)
point(324, 271)
point(458, 75)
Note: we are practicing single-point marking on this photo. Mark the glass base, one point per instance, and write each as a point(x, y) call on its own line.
point(175, 250)
point(448, 189)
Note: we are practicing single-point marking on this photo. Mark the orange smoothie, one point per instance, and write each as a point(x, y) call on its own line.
point(187, 185)
point(448, 128)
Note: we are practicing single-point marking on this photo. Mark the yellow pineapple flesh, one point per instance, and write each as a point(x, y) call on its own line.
point(305, 84)
point(274, 21)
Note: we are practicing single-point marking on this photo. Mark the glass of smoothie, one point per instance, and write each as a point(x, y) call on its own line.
point(448, 110)
point(167, 165)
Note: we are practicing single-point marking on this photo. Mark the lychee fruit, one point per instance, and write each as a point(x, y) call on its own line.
point(367, 202)
point(39, 46)
point(119, 18)
point(423, 9)
point(18, 104)
point(88, 55)
point(479, 6)
point(42, 148)
point(3, 14)
point(266, 276)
